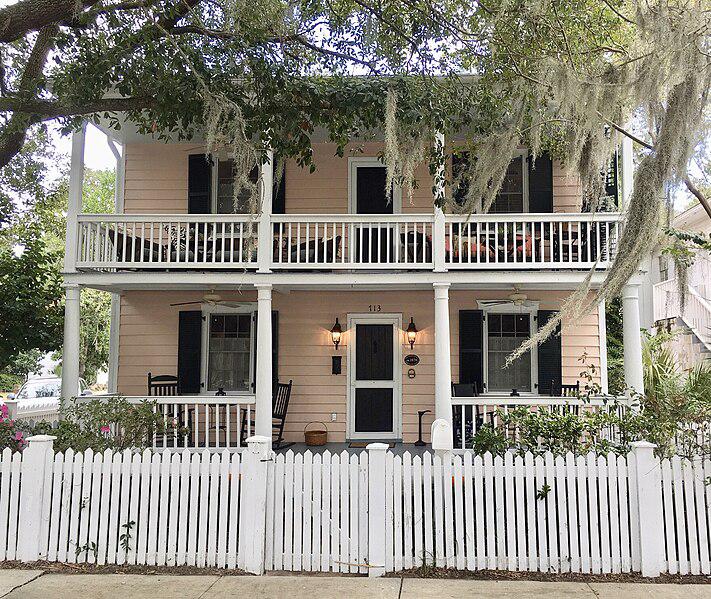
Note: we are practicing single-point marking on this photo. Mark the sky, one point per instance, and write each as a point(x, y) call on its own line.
point(97, 154)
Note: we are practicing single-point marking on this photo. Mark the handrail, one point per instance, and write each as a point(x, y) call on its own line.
point(538, 217)
point(183, 218)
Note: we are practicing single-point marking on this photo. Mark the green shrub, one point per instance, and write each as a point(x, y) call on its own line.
point(107, 423)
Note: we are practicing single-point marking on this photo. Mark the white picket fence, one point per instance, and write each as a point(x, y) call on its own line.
point(372, 512)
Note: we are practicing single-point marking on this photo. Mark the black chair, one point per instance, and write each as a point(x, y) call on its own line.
point(560, 390)
point(465, 390)
point(281, 394)
point(162, 385)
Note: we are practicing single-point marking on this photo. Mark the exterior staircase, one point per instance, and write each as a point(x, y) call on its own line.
point(696, 319)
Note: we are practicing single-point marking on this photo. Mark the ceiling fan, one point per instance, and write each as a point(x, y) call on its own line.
point(516, 298)
point(212, 298)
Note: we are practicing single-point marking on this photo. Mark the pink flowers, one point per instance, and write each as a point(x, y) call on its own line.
point(4, 411)
point(105, 429)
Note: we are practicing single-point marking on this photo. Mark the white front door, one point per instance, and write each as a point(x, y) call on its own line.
point(374, 376)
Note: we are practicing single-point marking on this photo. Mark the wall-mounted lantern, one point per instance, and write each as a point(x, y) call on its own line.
point(411, 333)
point(336, 332)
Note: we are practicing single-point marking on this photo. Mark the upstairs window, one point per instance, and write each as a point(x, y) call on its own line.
point(224, 201)
point(513, 195)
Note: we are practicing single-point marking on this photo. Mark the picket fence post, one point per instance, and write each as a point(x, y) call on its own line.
point(32, 492)
point(253, 504)
point(649, 502)
point(376, 508)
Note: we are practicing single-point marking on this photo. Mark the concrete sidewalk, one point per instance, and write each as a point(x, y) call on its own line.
point(34, 584)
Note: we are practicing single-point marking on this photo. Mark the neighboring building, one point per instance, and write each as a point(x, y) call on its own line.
point(660, 293)
point(197, 284)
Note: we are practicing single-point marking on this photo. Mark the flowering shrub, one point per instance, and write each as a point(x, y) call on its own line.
point(107, 423)
point(12, 433)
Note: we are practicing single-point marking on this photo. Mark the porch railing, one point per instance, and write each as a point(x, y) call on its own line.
point(352, 241)
point(190, 421)
point(166, 241)
point(469, 414)
point(205, 422)
point(348, 241)
point(531, 241)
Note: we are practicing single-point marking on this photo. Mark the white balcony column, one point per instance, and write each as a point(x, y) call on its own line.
point(70, 350)
point(443, 365)
point(631, 338)
point(263, 406)
point(438, 231)
point(76, 182)
point(264, 251)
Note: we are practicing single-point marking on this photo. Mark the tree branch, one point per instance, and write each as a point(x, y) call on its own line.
point(12, 136)
point(698, 194)
point(50, 109)
point(30, 15)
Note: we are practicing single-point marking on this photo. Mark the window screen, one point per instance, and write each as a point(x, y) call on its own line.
point(229, 346)
point(226, 201)
point(505, 332)
point(510, 196)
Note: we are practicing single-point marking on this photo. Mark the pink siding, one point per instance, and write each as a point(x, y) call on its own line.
point(149, 331)
point(157, 181)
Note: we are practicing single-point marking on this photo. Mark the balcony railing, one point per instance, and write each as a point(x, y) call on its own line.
point(347, 242)
point(352, 241)
point(166, 241)
point(531, 241)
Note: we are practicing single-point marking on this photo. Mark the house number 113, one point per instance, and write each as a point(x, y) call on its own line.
point(375, 308)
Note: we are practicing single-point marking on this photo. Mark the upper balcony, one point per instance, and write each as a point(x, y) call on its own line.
point(293, 242)
point(177, 212)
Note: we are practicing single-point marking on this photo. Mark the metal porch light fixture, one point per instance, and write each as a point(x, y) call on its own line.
point(336, 332)
point(411, 333)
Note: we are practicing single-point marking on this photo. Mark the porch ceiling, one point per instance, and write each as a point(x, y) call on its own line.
point(130, 281)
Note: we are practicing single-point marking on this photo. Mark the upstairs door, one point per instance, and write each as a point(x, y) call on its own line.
point(373, 244)
point(375, 402)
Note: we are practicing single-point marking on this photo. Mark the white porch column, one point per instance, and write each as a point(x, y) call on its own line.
point(443, 366)
point(631, 338)
point(263, 406)
point(76, 182)
point(264, 250)
point(70, 351)
point(438, 231)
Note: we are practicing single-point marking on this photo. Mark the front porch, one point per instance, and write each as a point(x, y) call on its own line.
point(227, 352)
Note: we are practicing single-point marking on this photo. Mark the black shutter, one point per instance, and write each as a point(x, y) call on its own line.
point(540, 184)
point(199, 184)
point(471, 341)
point(460, 165)
point(275, 348)
point(189, 351)
point(550, 368)
point(279, 193)
point(611, 179)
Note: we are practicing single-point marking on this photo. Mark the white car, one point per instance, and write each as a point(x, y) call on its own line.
point(47, 387)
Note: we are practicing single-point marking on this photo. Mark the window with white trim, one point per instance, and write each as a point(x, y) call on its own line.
point(504, 333)
point(513, 195)
point(228, 351)
point(223, 197)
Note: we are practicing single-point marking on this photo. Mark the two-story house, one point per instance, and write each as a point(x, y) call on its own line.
point(377, 306)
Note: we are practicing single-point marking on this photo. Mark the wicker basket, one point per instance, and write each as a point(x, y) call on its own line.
point(316, 438)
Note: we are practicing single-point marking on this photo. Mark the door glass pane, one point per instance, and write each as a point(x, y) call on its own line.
point(505, 333)
point(510, 196)
point(373, 410)
point(374, 352)
point(229, 346)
